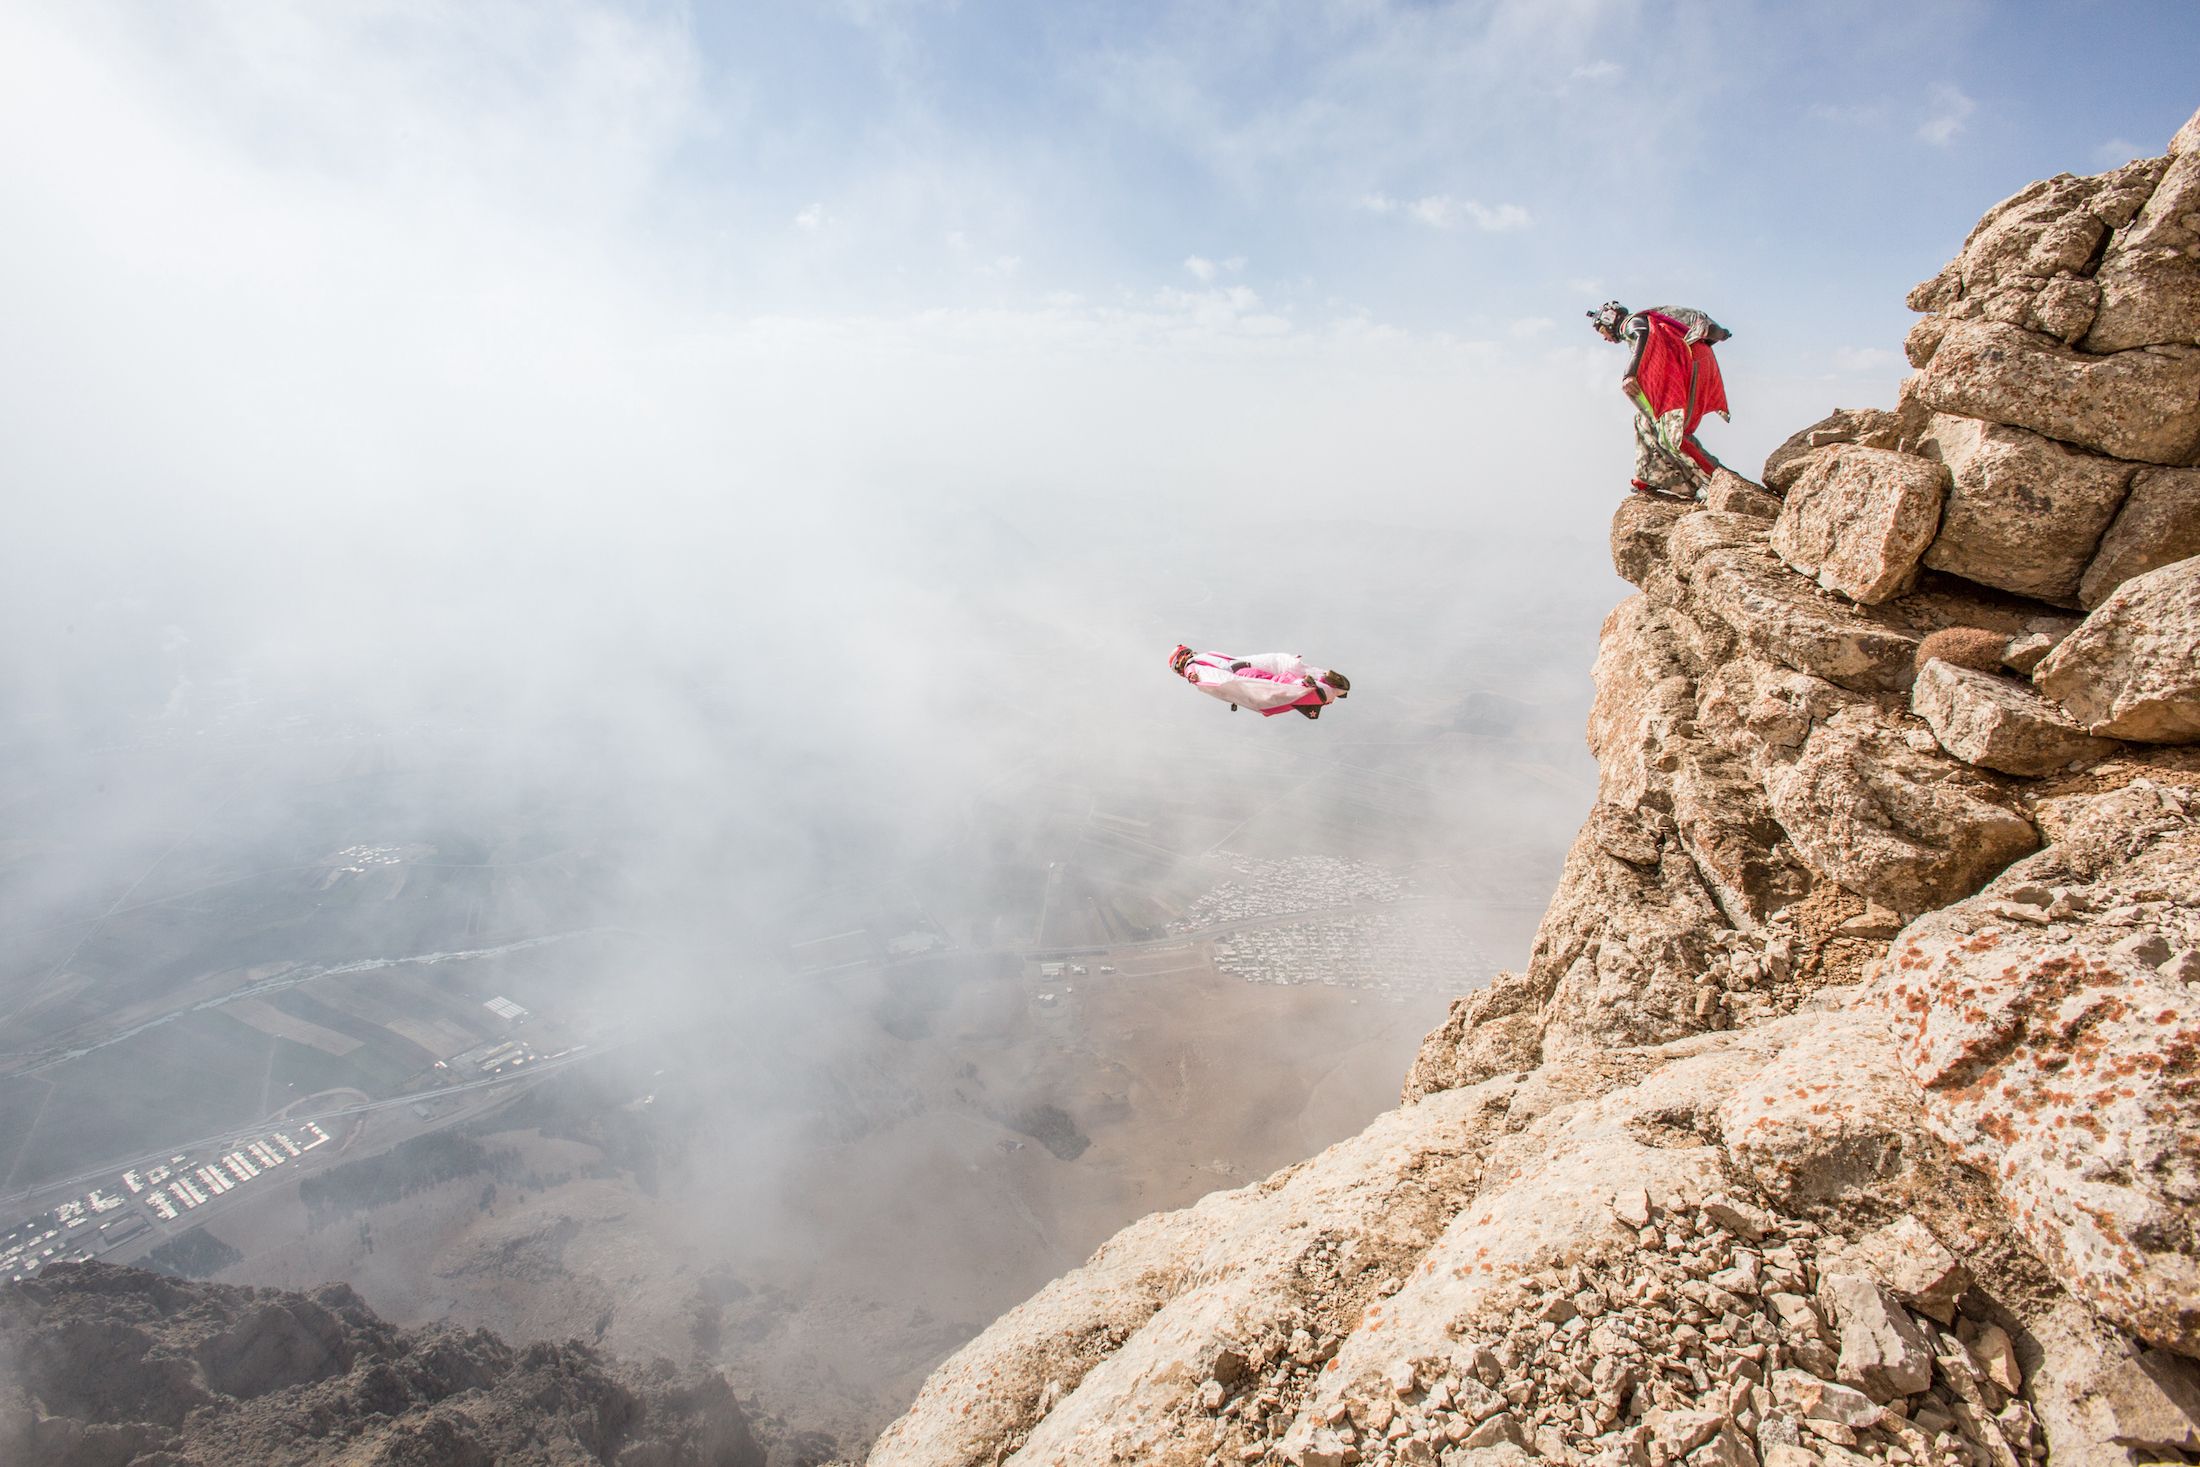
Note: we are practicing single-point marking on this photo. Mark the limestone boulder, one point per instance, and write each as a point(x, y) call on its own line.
point(1654, 758)
point(1730, 493)
point(1619, 951)
point(1859, 519)
point(2187, 139)
point(1639, 528)
point(1998, 723)
point(1731, 583)
point(2131, 670)
point(2046, 230)
point(1923, 339)
point(2142, 405)
point(1906, 827)
point(2159, 523)
point(2058, 1060)
point(1868, 427)
point(1829, 1126)
point(1496, 1031)
point(2024, 513)
point(2063, 308)
point(2149, 280)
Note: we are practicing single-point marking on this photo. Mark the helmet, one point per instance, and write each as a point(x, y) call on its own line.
point(1179, 657)
point(1607, 318)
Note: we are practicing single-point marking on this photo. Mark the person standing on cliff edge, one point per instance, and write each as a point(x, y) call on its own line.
point(1673, 380)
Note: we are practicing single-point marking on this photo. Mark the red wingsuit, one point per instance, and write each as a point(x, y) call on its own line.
point(1677, 375)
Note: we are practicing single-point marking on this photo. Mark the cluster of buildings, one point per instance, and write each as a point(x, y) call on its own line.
point(1294, 884)
point(180, 1185)
point(1379, 950)
point(356, 859)
point(104, 1218)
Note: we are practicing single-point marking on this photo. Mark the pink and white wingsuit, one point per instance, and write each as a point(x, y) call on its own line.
point(1269, 682)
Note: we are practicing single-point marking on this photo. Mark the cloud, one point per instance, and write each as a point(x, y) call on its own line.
point(1204, 269)
point(1595, 71)
point(1442, 211)
point(1862, 360)
point(2118, 151)
point(1951, 110)
point(811, 218)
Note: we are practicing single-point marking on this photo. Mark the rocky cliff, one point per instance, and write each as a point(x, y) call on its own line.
point(1848, 1108)
point(103, 1366)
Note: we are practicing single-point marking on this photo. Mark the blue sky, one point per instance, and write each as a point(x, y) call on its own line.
point(1451, 167)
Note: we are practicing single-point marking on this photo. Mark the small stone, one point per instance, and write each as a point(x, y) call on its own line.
point(1328, 1450)
point(1212, 1395)
point(1676, 1433)
point(1498, 1430)
point(1476, 1401)
point(1727, 1449)
point(2026, 652)
point(1913, 1264)
point(1813, 1399)
point(2184, 967)
point(1404, 1378)
point(1883, 1353)
point(1739, 1218)
point(1832, 1431)
point(1633, 1206)
point(1784, 1454)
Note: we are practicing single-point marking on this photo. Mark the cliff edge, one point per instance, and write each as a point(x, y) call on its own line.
point(1848, 1109)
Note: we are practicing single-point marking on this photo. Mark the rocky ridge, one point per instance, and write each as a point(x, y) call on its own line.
point(1848, 1108)
point(103, 1366)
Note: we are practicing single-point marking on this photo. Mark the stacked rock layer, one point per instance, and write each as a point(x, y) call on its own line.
point(1848, 1108)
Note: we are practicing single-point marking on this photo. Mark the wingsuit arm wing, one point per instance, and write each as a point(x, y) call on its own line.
point(1287, 665)
point(1247, 690)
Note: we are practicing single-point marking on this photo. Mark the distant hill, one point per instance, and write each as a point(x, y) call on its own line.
point(110, 1366)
